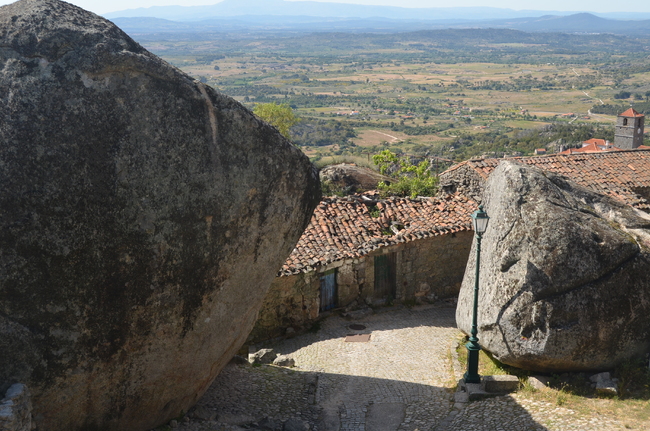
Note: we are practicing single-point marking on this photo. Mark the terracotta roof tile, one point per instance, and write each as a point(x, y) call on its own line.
point(630, 113)
point(355, 232)
point(592, 146)
point(617, 173)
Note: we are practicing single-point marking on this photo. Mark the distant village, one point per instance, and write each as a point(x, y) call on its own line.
point(364, 251)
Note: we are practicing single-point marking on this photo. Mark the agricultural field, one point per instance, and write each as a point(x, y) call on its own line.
point(453, 94)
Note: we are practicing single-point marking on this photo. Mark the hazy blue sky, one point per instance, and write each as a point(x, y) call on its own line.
point(103, 6)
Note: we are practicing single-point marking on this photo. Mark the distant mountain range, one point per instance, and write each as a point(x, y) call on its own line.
point(577, 23)
point(238, 8)
point(265, 23)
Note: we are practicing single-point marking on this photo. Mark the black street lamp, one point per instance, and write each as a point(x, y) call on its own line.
point(480, 221)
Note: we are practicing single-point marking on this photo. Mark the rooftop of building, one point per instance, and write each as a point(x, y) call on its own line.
point(618, 173)
point(352, 227)
point(592, 146)
point(631, 113)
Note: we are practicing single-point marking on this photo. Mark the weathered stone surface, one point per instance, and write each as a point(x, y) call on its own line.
point(268, 424)
point(464, 180)
point(284, 361)
point(239, 360)
point(500, 383)
point(358, 314)
point(16, 409)
point(143, 216)
point(604, 383)
point(538, 382)
point(294, 424)
point(262, 356)
point(352, 178)
point(204, 413)
point(563, 272)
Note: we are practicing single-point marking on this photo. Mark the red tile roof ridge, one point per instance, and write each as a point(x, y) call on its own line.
point(631, 113)
point(356, 233)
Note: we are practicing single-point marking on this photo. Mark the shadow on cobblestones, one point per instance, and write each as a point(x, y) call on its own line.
point(401, 380)
point(243, 394)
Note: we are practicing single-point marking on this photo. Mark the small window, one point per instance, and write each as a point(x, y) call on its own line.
point(625, 121)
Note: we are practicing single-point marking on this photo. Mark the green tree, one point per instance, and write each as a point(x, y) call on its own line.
point(385, 160)
point(410, 180)
point(280, 116)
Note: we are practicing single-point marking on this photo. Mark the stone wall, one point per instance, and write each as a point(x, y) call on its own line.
point(426, 270)
point(435, 266)
point(352, 280)
point(463, 180)
point(291, 302)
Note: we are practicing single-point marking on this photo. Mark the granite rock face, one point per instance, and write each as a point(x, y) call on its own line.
point(563, 275)
point(143, 217)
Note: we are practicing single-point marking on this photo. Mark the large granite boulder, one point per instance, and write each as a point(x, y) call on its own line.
point(564, 280)
point(143, 217)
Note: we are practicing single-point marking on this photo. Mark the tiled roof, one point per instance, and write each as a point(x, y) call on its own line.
point(592, 146)
point(348, 228)
point(631, 113)
point(616, 173)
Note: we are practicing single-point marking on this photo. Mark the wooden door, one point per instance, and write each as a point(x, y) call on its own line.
point(385, 276)
point(328, 290)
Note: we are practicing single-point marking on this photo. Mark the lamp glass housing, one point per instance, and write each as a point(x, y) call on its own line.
point(480, 220)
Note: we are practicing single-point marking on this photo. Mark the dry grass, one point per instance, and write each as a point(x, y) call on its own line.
point(372, 137)
point(573, 392)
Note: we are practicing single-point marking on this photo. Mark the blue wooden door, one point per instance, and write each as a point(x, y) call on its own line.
point(328, 290)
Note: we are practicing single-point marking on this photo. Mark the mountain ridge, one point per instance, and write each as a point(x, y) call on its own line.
point(577, 23)
point(230, 8)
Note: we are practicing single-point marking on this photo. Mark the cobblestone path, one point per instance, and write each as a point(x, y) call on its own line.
point(400, 380)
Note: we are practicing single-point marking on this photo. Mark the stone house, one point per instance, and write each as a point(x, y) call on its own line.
point(359, 250)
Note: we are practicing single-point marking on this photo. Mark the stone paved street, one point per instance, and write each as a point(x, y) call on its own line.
point(401, 380)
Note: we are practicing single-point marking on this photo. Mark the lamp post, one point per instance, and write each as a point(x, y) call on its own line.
point(480, 221)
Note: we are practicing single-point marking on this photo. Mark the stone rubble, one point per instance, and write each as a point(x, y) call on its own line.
point(263, 356)
point(604, 383)
point(284, 361)
point(538, 382)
